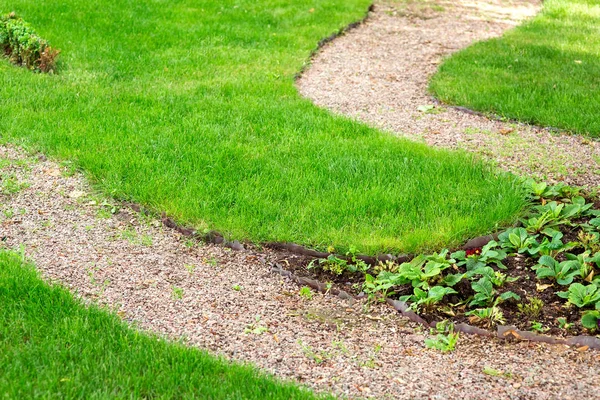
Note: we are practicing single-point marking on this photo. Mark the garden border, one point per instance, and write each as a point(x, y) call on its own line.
point(503, 332)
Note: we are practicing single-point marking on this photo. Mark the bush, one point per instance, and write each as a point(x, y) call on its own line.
point(23, 46)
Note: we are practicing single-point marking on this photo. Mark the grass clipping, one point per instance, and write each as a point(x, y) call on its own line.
point(24, 47)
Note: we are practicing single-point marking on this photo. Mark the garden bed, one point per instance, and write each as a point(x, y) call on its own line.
point(540, 276)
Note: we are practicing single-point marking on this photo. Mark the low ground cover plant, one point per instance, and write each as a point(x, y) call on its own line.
point(202, 121)
point(544, 71)
point(23, 46)
point(544, 279)
point(53, 346)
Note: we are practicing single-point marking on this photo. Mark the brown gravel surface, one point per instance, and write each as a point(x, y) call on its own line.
point(378, 73)
point(158, 280)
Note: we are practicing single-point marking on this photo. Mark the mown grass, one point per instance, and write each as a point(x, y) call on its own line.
point(546, 71)
point(190, 107)
point(52, 346)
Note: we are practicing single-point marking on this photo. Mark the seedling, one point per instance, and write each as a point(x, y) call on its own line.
point(190, 268)
point(445, 340)
point(532, 309)
point(538, 327)
point(176, 292)
point(306, 293)
point(563, 324)
point(255, 328)
point(486, 316)
point(213, 262)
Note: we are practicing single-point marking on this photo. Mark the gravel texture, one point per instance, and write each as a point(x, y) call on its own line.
point(378, 73)
point(211, 296)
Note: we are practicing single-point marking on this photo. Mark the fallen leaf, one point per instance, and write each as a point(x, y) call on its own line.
point(577, 61)
point(506, 131)
point(275, 338)
point(513, 333)
point(589, 277)
point(541, 288)
point(312, 10)
point(583, 348)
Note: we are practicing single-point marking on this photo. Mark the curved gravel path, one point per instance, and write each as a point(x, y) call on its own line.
point(378, 73)
point(210, 296)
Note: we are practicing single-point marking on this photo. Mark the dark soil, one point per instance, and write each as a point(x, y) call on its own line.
point(517, 266)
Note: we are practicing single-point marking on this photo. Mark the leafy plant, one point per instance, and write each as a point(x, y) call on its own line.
point(306, 293)
point(551, 247)
point(538, 223)
point(445, 339)
point(541, 190)
point(563, 272)
point(533, 308)
point(578, 208)
point(539, 327)
point(590, 241)
point(516, 240)
point(563, 324)
point(357, 264)
point(582, 262)
point(486, 316)
point(485, 293)
point(582, 296)
point(422, 272)
point(427, 298)
point(591, 320)
point(382, 284)
point(338, 266)
point(333, 264)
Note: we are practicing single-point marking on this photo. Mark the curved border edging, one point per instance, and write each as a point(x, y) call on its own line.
point(502, 332)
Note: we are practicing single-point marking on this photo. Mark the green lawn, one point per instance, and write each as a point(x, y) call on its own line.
point(190, 107)
point(546, 71)
point(51, 346)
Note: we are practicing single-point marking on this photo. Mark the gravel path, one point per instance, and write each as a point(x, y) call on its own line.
point(378, 73)
point(160, 281)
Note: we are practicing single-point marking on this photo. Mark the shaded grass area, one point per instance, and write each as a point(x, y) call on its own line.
point(546, 71)
point(190, 107)
point(52, 346)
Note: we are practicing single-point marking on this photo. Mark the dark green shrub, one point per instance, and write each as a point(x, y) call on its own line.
point(23, 46)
